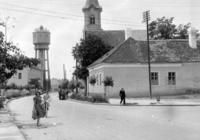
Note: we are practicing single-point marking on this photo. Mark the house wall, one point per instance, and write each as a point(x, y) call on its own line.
point(134, 79)
point(98, 88)
point(19, 82)
point(26, 75)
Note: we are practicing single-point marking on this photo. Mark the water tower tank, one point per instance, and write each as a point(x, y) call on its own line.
point(41, 38)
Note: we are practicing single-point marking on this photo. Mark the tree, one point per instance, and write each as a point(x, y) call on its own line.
point(182, 31)
point(164, 28)
point(81, 85)
point(92, 80)
point(11, 60)
point(72, 86)
point(86, 52)
point(108, 81)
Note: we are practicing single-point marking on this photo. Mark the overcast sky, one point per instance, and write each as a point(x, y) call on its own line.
point(64, 19)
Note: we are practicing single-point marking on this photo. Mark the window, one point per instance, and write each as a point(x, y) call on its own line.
point(100, 79)
point(97, 83)
point(171, 78)
point(154, 78)
point(19, 75)
point(92, 20)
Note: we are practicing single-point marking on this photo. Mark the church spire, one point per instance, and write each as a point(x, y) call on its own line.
point(90, 3)
point(92, 14)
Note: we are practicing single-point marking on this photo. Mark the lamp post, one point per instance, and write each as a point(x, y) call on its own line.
point(146, 18)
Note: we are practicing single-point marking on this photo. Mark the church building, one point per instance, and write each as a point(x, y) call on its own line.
point(175, 64)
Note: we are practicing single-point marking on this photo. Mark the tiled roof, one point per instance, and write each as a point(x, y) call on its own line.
point(162, 51)
point(112, 38)
point(90, 3)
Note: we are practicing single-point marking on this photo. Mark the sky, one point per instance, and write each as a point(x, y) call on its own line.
point(64, 19)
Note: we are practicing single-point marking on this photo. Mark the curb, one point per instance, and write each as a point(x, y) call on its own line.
point(152, 104)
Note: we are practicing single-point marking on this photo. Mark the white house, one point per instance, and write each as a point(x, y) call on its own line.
point(22, 77)
point(175, 67)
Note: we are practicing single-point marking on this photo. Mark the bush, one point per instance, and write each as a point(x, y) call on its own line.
point(93, 99)
point(2, 100)
point(99, 99)
point(11, 86)
point(16, 93)
point(192, 91)
point(92, 80)
point(108, 81)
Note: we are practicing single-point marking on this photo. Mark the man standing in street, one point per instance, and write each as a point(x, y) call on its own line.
point(122, 94)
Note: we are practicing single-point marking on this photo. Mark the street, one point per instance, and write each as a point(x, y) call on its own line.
point(71, 120)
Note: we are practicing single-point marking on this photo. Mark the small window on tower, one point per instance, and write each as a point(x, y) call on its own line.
point(92, 20)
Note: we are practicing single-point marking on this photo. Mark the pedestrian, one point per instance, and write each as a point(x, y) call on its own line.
point(46, 99)
point(60, 93)
point(38, 110)
point(122, 95)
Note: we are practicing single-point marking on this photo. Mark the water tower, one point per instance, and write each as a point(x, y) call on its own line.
point(41, 40)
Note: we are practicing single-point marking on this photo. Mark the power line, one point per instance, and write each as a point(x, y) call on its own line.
point(69, 14)
point(37, 9)
point(64, 17)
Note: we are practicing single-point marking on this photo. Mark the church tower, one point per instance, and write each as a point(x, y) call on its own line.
point(92, 15)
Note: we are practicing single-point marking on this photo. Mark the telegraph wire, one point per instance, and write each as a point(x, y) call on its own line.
point(65, 17)
point(115, 21)
point(41, 10)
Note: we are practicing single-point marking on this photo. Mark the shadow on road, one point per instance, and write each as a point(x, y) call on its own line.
point(34, 126)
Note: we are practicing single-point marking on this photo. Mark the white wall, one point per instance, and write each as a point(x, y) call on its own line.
point(134, 79)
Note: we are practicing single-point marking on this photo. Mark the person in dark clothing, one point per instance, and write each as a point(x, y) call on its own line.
point(60, 93)
point(122, 95)
point(38, 110)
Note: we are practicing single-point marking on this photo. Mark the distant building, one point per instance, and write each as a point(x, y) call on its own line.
point(23, 77)
point(55, 84)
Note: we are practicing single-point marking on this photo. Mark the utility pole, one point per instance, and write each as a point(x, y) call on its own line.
point(146, 18)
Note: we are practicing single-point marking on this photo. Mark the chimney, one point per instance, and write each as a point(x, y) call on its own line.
point(193, 37)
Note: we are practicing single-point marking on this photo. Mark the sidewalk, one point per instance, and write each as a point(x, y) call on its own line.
point(153, 102)
point(8, 130)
